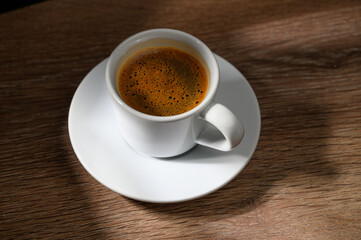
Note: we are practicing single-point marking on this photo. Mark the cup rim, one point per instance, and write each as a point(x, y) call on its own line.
point(136, 37)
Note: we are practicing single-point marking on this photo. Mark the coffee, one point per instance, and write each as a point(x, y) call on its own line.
point(162, 81)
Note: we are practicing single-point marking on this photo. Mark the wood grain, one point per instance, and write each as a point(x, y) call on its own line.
point(303, 60)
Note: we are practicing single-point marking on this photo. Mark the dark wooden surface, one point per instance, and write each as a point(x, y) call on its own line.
point(303, 59)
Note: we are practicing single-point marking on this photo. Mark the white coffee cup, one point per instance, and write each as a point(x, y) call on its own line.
point(167, 136)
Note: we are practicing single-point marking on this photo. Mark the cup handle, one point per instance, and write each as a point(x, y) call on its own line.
point(226, 122)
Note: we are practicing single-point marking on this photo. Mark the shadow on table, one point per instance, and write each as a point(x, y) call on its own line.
point(16, 4)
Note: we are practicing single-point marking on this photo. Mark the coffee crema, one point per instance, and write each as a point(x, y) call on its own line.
point(162, 81)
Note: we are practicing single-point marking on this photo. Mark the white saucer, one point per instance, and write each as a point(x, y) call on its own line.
point(105, 155)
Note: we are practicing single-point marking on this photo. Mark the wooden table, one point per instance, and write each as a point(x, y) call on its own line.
point(303, 59)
